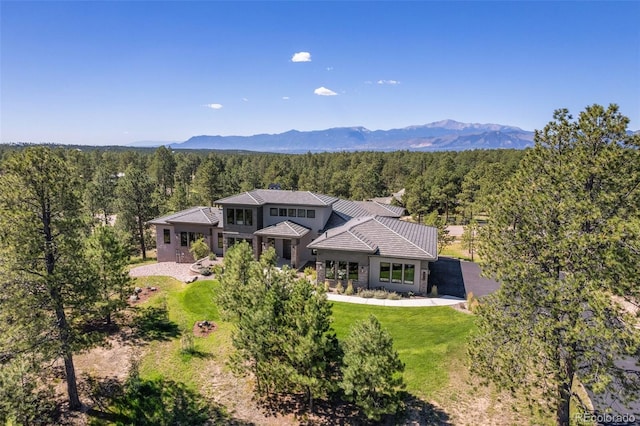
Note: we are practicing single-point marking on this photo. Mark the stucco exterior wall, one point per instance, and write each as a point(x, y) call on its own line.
point(174, 251)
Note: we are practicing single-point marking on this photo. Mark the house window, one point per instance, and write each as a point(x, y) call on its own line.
point(248, 217)
point(283, 212)
point(353, 271)
point(273, 211)
point(409, 273)
point(184, 239)
point(330, 267)
point(193, 236)
point(292, 212)
point(167, 236)
point(385, 271)
point(239, 217)
point(342, 270)
point(231, 218)
point(302, 213)
point(396, 272)
point(220, 241)
point(311, 214)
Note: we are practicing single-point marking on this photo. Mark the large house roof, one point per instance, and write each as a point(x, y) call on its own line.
point(350, 209)
point(383, 236)
point(260, 197)
point(286, 229)
point(193, 216)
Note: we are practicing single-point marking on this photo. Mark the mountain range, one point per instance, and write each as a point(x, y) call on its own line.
point(446, 135)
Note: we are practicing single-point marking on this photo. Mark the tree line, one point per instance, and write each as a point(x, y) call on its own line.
point(138, 185)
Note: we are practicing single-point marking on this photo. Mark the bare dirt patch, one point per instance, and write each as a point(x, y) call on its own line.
point(204, 328)
point(144, 294)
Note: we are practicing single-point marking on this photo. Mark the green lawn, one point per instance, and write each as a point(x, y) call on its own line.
point(429, 340)
point(186, 304)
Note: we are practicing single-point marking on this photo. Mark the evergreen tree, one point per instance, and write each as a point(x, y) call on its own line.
point(46, 287)
point(136, 204)
point(372, 369)
point(563, 241)
point(470, 238)
point(100, 194)
point(108, 256)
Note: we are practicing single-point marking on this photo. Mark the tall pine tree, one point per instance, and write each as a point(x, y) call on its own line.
point(563, 241)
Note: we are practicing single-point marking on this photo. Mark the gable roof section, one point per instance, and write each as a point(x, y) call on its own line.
point(195, 216)
point(384, 236)
point(287, 229)
point(260, 197)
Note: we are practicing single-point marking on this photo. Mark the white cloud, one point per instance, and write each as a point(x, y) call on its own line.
point(301, 57)
point(285, 98)
point(329, 68)
point(389, 82)
point(323, 91)
point(214, 106)
point(245, 99)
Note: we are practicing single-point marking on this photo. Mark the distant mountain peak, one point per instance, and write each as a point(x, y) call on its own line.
point(440, 135)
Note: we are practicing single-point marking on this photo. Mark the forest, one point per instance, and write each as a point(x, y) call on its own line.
point(140, 184)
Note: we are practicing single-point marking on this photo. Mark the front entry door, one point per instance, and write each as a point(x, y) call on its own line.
point(286, 249)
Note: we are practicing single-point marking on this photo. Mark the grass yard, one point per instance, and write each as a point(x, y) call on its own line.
point(429, 340)
point(185, 304)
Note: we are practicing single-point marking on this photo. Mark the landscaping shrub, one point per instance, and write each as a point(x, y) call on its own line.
point(394, 296)
point(199, 249)
point(308, 271)
point(340, 287)
point(349, 291)
point(434, 291)
point(380, 294)
point(212, 256)
point(327, 286)
point(366, 293)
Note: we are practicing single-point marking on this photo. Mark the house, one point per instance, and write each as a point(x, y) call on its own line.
point(362, 241)
point(176, 232)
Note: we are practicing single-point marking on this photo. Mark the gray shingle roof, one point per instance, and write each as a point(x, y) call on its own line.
point(195, 215)
point(285, 229)
point(350, 209)
point(259, 197)
point(384, 236)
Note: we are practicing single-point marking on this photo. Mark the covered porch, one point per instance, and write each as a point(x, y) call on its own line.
point(289, 241)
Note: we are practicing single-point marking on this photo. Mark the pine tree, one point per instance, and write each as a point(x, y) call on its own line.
point(46, 288)
point(136, 205)
point(563, 241)
point(372, 369)
point(108, 256)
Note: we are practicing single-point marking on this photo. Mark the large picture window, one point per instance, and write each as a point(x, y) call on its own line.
point(353, 271)
point(167, 236)
point(409, 273)
point(302, 213)
point(385, 271)
point(330, 267)
point(397, 273)
point(292, 212)
point(220, 241)
point(341, 270)
point(240, 217)
point(273, 211)
point(311, 214)
point(184, 239)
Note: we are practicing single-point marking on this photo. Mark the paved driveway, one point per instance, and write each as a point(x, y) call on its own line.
point(458, 278)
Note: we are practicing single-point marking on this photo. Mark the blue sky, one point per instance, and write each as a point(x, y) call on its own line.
point(114, 72)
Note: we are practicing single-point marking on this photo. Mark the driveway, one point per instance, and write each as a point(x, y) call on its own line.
point(458, 278)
